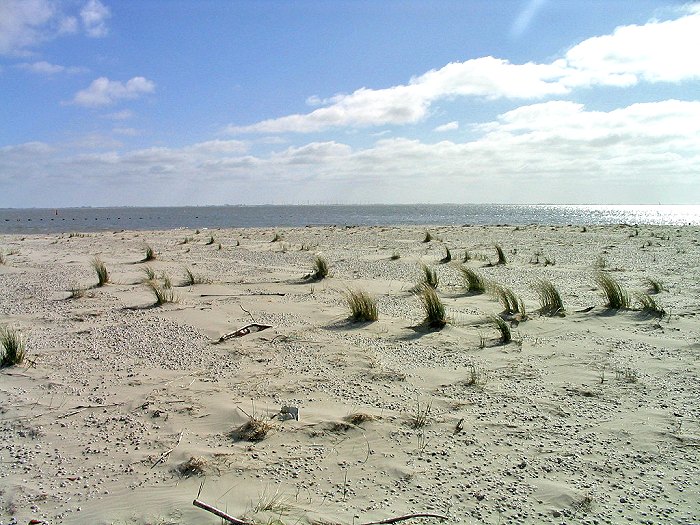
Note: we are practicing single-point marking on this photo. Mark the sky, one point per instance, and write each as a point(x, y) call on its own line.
point(210, 102)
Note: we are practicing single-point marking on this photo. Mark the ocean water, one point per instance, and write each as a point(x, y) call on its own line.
point(36, 220)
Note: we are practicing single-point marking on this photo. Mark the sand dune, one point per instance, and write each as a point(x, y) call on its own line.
point(122, 409)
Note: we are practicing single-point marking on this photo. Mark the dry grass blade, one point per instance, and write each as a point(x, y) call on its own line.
point(435, 313)
point(150, 254)
point(320, 269)
point(363, 307)
point(616, 297)
point(473, 282)
point(550, 299)
point(654, 285)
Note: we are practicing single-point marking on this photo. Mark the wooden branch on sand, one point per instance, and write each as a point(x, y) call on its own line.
point(220, 513)
point(406, 517)
point(236, 521)
point(165, 454)
point(247, 329)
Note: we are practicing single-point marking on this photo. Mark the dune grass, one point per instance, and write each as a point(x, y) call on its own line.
point(448, 256)
point(654, 285)
point(13, 347)
point(427, 237)
point(101, 270)
point(77, 292)
point(320, 269)
point(435, 313)
point(150, 254)
point(648, 305)
point(550, 300)
point(511, 303)
point(2, 257)
point(467, 256)
point(616, 297)
point(211, 240)
point(429, 277)
point(191, 278)
point(253, 430)
point(395, 256)
point(502, 327)
point(363, 307)
point(500, 254)
point(149, 272)
point(473, 282)
point(162, 292)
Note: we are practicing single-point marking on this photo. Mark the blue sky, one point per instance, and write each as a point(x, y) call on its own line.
point(186, 102)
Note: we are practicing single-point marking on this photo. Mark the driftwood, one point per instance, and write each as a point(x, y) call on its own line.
point(220, 513)
point(247, 329)
point(406, 517)
point(236, 521)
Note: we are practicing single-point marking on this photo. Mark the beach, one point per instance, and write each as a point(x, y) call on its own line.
point(125, 411)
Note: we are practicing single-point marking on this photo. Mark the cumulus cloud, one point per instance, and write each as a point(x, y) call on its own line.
point(26, 24)
point(94, 15)
point(103, 91)
point(658, 51)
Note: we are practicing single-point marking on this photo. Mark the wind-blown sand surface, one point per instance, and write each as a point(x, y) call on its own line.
point(588, 418)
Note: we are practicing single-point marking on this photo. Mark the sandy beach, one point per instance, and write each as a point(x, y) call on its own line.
point(124, 411)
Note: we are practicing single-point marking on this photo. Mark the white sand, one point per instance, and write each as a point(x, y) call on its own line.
point(588, 418)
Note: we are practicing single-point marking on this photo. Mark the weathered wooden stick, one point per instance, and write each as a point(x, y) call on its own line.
point(406, 517)
point(247, 329)
point(220, 513)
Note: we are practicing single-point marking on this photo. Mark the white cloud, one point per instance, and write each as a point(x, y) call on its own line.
point(654, 52)
point(549, 151)
point(26, 24)
point(450, 126)
point(103, 92)
point(94, 15)
point(46, 68)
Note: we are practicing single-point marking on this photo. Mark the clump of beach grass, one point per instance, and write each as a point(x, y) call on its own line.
point(150, 273)
point(616, 297)
point(101, 270)
point(76, 292)
point(150, 254)
point(502, 327)
point(654, 285)
point(421, 417)
point(195, 466)
point(191, 278)
point(512, 304)
point(448, 256)
point(429, 277)
point(277, 237)
point(467, 256)
point(395, 256)
point(363, 307)
point(320, 269)
point(211, 240)
point(2, 257)
point(357, 418)
point(162, 292)
point(501, 256)
point(473, 282)
point(649, 305)
point(427, 237)
point(13, 347)
point(434, 308)
point(550, 300)
point(253, 430)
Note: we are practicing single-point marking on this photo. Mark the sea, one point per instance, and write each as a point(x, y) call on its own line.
point(61, 220)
